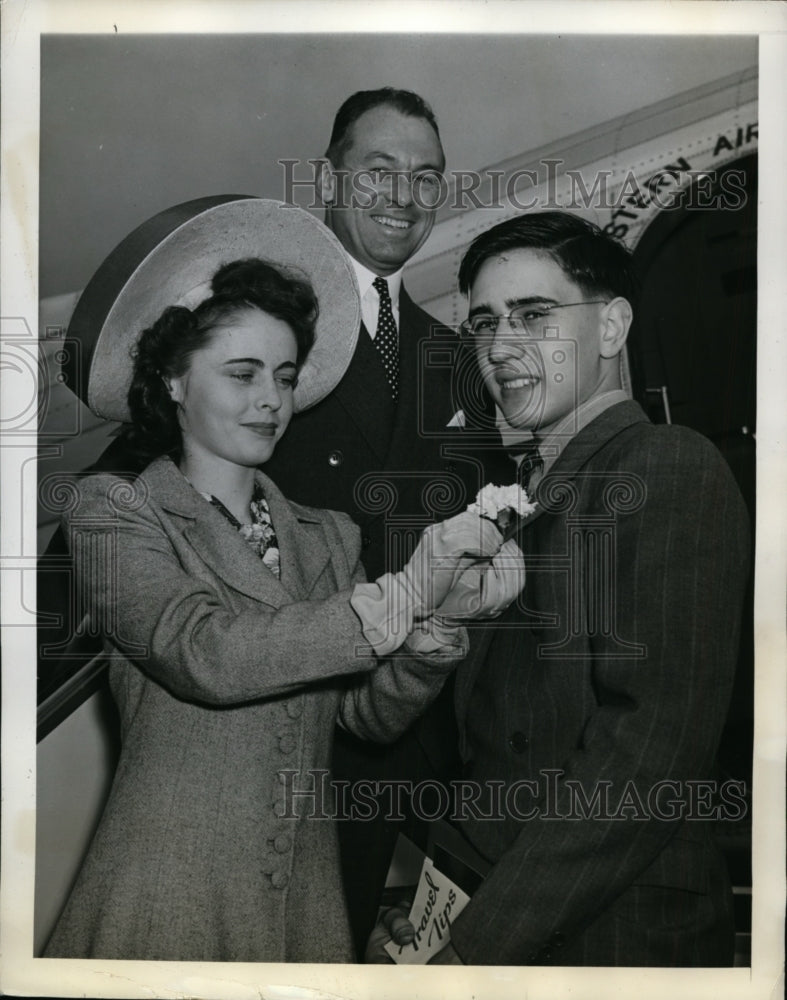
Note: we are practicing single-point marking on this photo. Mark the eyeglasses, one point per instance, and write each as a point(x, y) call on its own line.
point(532, 321)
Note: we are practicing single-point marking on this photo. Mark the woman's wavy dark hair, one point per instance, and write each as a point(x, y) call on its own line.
point(164, 350)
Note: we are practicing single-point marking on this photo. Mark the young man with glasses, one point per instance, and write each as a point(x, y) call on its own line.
point(590, 712)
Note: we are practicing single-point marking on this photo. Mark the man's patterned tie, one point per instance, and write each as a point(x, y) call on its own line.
point(530, 460)
point(386, 339)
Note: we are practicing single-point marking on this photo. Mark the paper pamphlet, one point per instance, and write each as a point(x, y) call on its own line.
point(437, 902)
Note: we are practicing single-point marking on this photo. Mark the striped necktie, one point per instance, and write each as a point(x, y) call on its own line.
point(386, 339)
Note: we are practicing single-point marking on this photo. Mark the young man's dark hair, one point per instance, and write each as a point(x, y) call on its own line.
point(404, 101)
point(594, 261)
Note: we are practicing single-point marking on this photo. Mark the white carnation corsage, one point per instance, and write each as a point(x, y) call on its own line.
point(505, 505)
point(489, 585)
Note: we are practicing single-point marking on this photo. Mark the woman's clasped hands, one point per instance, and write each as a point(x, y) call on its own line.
point(460, 569)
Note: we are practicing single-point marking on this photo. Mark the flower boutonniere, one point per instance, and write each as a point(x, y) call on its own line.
point(505, 505)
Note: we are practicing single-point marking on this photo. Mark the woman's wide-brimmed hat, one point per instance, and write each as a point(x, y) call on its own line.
point(170, 260)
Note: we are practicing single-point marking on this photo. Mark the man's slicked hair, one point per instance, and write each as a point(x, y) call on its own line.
point(404, 101)
point(596, 262)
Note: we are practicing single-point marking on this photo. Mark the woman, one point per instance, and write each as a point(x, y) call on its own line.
point(238, 630)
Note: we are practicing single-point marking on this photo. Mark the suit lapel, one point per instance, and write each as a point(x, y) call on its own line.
point(577, 453)
point(418, 395)
point(365, 395)
point(304, 552)
point(581, 449)
point(410, 381)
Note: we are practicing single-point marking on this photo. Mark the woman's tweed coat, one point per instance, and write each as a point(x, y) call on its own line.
point(225, 678)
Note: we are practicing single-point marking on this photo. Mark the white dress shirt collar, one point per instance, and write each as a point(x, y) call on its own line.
point(551, 445)
point(370, 300)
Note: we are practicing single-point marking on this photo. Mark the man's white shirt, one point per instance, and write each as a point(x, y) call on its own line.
point(370, 299)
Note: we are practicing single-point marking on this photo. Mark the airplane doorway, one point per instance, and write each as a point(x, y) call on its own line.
point(693, 355)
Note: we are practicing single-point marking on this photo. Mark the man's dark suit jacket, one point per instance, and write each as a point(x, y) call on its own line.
point(613, 671)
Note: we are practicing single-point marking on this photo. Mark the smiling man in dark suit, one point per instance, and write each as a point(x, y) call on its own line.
point(386, 447)
point(590, 712)
point(388, 421)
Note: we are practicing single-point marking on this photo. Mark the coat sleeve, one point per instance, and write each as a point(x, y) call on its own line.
point(681, 567)
point(380, 705)
point(178, 629)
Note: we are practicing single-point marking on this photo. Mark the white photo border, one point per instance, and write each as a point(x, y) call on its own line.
point(22, 25)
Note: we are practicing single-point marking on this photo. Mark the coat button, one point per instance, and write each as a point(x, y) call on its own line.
point(518, 742)
point(294, 709)
point(279, 880)
point(287, 743)
point(335, 459)
point(282, 843)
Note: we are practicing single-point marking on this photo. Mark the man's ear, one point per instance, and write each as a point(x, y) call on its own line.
point(618, 315)
point(326, 182)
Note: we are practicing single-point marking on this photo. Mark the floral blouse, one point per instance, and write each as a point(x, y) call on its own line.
point(259, 534)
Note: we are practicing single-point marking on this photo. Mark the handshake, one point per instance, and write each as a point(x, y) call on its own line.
point(461, 570)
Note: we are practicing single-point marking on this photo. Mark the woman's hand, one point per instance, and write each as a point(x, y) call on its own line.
point(438, 641)
point(443, 554)
point(389, 607)
point(484, 590)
